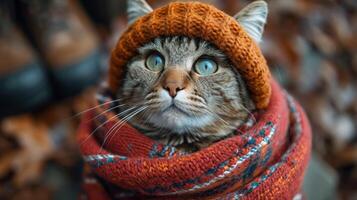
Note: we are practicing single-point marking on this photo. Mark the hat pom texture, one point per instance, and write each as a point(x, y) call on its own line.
point(197, 20)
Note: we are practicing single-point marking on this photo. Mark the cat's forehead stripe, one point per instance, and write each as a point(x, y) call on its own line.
point(181, 44)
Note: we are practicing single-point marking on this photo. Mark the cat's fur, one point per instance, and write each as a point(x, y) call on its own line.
point(207, 108)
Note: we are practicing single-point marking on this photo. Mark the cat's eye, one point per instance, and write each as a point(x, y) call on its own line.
point(155, 62)
point(205, 66)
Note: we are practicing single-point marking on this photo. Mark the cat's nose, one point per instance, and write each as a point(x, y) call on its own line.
point(173, 87)
point(174, 80)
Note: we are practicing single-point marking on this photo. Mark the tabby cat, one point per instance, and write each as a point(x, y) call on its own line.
point(184, 91)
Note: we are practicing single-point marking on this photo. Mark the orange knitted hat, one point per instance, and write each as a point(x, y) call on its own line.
point(196, 20)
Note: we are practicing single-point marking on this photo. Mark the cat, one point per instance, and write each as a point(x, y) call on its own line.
point(185, 91)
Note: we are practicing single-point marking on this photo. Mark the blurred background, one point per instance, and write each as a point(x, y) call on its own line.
point(54, 53)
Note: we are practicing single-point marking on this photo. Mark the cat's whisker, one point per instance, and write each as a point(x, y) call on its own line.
point(151, 94)
point(250, 113)
point(146, 115)
point(96, 130)
point(121, 123)
point(113, 127)
point(100, 126)
point(92, 108)
point(119, 115)
point(106, 111)
point(151, 102)
point(218, 117)
point(131, 116)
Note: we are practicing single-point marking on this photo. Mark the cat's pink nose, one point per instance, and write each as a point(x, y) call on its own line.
point(173, 87)
point(174, 80)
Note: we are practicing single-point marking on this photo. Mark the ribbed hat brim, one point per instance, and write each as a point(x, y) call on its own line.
point(196, 20)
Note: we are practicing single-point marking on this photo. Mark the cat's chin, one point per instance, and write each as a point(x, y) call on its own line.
point(178, 120)
point(176, 111)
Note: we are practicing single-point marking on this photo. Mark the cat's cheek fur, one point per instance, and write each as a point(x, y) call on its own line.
point(181, 96)
point(165, 99)
point(144, 76)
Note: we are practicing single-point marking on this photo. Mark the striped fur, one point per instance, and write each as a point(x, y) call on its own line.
point(214, 105)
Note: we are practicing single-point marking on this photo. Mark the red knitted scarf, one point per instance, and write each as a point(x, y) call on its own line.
point(265, 160)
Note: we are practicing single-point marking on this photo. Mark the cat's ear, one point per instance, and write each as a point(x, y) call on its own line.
point(136, 9)
point(252, 18)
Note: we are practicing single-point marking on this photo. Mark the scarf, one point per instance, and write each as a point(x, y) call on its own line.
point(266, 159)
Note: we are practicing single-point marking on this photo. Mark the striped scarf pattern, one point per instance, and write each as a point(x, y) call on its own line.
point(266, 159)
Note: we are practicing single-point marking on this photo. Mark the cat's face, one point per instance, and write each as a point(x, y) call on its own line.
point(188, 86)
point(180, 90)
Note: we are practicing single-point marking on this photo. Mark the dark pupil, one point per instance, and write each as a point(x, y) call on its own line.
point(206, 66)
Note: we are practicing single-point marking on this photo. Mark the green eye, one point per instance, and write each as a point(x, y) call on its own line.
point(205, 66)
point(155, 62)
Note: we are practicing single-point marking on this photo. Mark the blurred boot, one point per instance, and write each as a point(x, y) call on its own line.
point(23, 82)
point(66, 41)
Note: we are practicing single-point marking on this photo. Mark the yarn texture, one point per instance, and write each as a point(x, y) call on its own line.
point(265, 160)
point(196, 20)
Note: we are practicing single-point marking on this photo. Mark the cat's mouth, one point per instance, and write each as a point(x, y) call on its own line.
point(174, 109)
point(178, 118)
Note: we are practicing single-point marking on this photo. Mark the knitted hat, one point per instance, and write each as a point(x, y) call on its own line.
point(196, 20)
